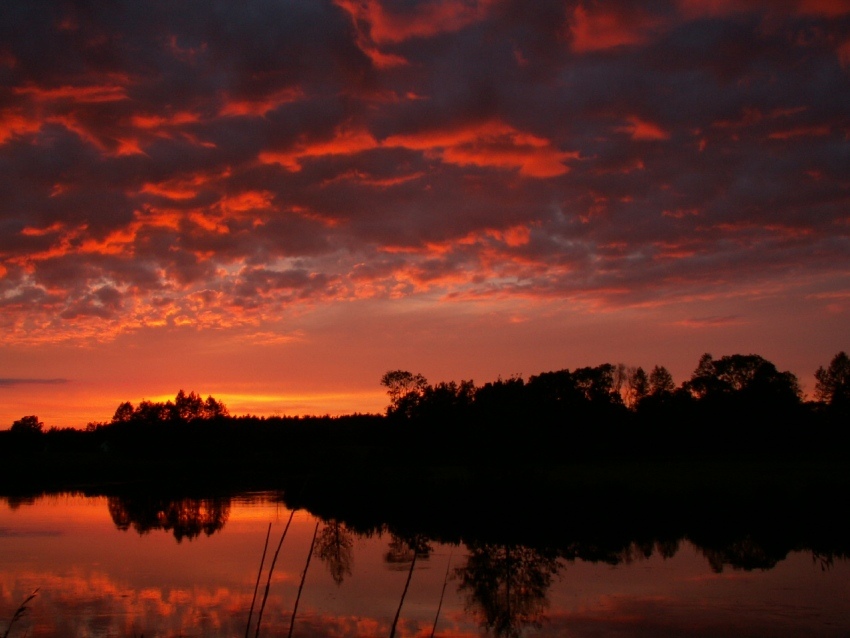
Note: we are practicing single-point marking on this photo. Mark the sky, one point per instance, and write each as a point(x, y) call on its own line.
point(276, 201)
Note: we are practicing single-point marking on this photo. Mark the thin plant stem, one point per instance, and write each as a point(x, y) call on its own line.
point(257, 584)
point(19, 612)
point(303, 578)
point(442, 594)
point(404, 593)
point(271, 571)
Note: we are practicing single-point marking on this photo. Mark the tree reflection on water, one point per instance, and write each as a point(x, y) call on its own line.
point(184, 517)
point(507, 586)
point(447, 581)
point(334, 547)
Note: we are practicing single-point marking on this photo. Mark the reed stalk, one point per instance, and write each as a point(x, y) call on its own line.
point(404, 593)
point(271, 571)
point(257, 584)
point(303, 578)
point(20, 612)
point(442, 595)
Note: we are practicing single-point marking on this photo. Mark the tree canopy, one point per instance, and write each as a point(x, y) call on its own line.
point(833, 383)
point(28, 425)
point(184, 409)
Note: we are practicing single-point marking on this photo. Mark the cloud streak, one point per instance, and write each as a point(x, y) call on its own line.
point(9, 382)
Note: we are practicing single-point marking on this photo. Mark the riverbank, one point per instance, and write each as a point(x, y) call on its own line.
point(610, 501)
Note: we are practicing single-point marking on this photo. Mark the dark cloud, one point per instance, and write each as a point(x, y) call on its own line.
point(162, 159)
point(7, 382)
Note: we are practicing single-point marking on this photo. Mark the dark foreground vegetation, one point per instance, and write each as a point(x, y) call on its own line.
point(737, 428)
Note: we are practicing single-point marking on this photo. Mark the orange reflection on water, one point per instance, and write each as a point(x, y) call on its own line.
point(94, 578)
point(144, 565)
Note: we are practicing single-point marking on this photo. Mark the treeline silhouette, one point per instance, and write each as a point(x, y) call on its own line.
point(738, 402)
point(738, 385)
point(737, 405)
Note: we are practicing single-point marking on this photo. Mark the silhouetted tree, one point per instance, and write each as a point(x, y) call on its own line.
point(28, 425)
point(124, 413)
point(152, 412)
point(661, 381)
point(501, 401)
point(404, 389)
point(554, 388)
point(637, 386)
point(598, 384)
point(445, 401)
point(704, 380)
point(663, 412)
point(214, 409)
point(621, 377)
point(746, 402)
point(187, 407)
point(184, 409)
point(833, 384)
point(738, 373)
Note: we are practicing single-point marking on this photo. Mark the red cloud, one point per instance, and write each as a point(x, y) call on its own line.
point(710, 322)
point(185, 186)
point(642, 130)
point(261, 105)
point(247, 202)
point(489, 144)
point(716, 8)
point(82, 94)
point(355, 176)
point(428, 19)
point(800, 131)
point(345, 141)
point(173, 191)
point(604, 27)
point(376, 25)
point(14, 123)
point(828, 8)
point(155, 121)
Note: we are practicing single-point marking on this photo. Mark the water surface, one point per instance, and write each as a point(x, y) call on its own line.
point(109, 566)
